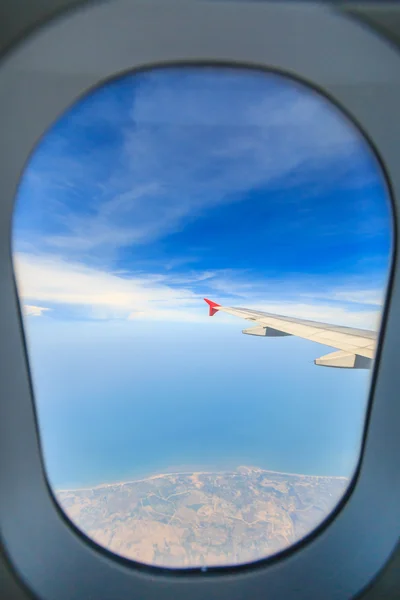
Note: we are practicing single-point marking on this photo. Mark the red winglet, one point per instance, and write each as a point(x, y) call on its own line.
point(212, 306)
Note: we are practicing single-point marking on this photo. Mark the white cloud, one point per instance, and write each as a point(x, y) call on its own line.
point(51, 279)
point(33, 311)
point(106, 295)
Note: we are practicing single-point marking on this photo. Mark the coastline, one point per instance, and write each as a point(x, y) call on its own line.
point(143, 479)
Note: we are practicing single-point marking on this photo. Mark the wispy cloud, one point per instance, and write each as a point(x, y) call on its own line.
point(44, 278)
point(189, 144)
point(366, 289)
point(107, 295)
point(30, 310)
point(371, 296)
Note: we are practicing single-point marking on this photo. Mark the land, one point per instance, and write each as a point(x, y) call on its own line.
point(203, 518)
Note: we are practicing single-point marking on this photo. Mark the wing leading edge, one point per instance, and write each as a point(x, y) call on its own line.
point(355, 347)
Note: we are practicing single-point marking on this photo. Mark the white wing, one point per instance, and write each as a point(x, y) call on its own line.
point(356, 347)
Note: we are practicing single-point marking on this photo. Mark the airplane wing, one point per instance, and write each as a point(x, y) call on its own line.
point(355, 347)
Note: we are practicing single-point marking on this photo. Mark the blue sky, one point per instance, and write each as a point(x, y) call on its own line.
point(166, 186)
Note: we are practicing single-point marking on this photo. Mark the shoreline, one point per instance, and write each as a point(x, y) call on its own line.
point(194, 472)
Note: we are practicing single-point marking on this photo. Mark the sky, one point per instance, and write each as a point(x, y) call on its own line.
point(167, 186)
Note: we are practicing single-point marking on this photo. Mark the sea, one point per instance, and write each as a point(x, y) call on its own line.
point(119, 401)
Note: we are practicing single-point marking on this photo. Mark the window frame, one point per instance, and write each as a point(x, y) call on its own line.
point(360, 72)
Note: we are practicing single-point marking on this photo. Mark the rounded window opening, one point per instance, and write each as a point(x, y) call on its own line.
point(169, 437)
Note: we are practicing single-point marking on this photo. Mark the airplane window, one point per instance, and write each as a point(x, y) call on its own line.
point(168, 435)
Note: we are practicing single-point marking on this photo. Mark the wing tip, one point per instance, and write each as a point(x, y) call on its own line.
point(213, 307)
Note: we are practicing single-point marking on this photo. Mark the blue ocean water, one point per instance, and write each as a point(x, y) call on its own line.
point(121, 400)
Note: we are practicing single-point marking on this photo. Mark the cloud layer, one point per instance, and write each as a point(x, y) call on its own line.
point(104, 295)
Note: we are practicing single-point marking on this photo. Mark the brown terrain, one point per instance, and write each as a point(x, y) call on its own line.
point(203, 518)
